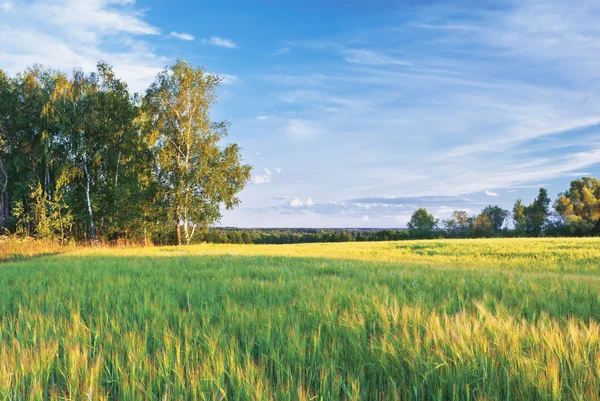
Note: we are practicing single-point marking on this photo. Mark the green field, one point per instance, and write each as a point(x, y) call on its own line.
point(415, 320)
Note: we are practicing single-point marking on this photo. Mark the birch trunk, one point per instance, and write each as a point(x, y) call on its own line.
point(3, 197)
point(89, 202)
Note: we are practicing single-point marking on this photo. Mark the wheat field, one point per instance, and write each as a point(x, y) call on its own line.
point(498, 319)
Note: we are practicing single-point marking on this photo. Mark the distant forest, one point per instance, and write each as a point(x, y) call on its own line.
point(83, 159)
point(576, 212)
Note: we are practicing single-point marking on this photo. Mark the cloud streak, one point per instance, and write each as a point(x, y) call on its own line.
point(220, 42)
point(182, 36)
point(370, 57)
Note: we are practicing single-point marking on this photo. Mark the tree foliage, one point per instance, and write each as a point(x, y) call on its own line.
point(458, 225)
point(580, 206)
point(195, 175)
point(83, 158)
point(422, 224)
point(532, 220)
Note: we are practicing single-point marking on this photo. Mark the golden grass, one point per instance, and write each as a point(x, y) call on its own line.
point(523, 254)
point(15, 248)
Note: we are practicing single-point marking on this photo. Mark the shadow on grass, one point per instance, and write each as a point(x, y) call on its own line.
point(22, 258)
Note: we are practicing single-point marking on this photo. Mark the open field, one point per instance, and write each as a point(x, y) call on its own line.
point(423, 320)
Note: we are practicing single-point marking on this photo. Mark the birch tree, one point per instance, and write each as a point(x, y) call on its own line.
point(195, 173)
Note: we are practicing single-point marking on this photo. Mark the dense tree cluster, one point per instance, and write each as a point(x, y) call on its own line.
point(82, 158)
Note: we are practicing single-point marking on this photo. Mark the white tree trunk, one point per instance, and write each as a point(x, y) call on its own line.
point(185, 227)
point(89, 201)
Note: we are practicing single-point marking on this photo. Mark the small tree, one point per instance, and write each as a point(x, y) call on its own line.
point(497, 216)
point(519, 219)
point(537, 213)
point(458, 224)
point(482, 226)
point(422, 224)
point(532, 219)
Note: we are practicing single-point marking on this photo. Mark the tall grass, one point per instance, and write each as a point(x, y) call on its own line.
point(439, 320)
point(16, 248)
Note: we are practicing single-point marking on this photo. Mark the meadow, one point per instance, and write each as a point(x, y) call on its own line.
point(498, 319)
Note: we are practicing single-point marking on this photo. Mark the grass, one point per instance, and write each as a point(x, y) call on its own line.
point(14, 248)
point(420, 320)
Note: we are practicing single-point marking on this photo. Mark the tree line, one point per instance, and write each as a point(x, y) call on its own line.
point(297, 235)
point(576, 212)
point(82, 158)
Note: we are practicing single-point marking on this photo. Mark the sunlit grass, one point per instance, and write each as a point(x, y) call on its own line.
point(580, 255)
point(423, 320)
point(15, 248)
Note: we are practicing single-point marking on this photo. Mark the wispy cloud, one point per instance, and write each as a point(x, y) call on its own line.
point(283, 50)
point(91, 19)
point(490, 193)
point(303, 129)
point(228, 79)
point(182, 36)
point(221, 42)
point(451, 27)
point(377, 214)
point(370, 57)
point(63, 34)
point(418, 201)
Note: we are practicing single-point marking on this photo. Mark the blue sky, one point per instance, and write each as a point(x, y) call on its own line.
point(354, 113)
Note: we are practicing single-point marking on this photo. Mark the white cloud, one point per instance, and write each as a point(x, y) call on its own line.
point(92, 19)
point(490, 193)
point(63, 34)
point(365, 218)
point(221, 42)
point(278, 170)
point(303, 129)
point(296, 202)
point(182, 36)
point(263, 118)
point(309, 202)
point(262, 178)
